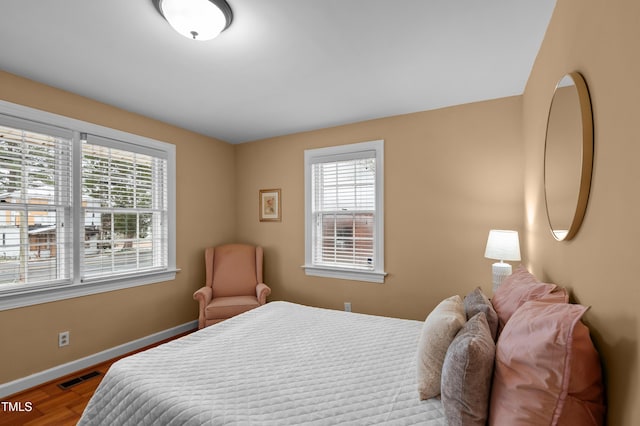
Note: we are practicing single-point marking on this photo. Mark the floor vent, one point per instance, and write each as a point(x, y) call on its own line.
point(76, 380)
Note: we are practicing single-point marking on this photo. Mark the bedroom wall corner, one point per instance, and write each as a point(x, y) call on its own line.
point(106, 320)
point(600, 40)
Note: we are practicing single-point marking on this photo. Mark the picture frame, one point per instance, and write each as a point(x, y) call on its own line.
point(270, 205)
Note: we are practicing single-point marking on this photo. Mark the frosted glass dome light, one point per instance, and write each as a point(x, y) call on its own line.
point(196, 19)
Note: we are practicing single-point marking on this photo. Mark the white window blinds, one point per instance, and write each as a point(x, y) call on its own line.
point(344, 212)
point(35, 203)
point(124, 208)
point(344, 223)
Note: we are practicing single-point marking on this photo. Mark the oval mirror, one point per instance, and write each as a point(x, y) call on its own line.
point(568, 156)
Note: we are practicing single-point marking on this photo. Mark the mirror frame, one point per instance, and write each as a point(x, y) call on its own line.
point(586, 166)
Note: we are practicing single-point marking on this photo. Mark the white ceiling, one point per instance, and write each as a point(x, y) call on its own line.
point(284, 66)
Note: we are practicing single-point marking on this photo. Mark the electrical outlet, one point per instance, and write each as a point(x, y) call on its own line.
point(63, 339)
point(347, 306)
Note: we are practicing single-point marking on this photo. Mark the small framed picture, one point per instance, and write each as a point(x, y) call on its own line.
point(270, 205)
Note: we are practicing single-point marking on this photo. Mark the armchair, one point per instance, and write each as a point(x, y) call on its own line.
point(233, 283)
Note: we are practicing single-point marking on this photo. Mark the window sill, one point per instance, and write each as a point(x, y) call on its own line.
point(345, 274)
point(37, 295)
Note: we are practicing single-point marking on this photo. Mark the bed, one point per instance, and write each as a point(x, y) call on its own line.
point(280, 364)
point(523, 357)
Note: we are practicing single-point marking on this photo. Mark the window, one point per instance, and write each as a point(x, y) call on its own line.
point(35, 202)
point(83, 208)
point(344, 212)
point(124, 208)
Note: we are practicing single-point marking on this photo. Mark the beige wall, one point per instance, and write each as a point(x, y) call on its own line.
point(450, 176)
point(599, 39)
point(29, 335)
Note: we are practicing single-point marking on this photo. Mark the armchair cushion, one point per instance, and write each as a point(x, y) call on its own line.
point(227, 307)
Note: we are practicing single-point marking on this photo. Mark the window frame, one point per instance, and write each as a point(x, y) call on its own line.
point(335, 153)
point(34, 294)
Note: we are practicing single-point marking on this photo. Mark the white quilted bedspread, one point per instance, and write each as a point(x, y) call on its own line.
point(280, 364)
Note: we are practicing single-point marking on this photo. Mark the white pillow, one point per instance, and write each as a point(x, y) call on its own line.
point(438, 331)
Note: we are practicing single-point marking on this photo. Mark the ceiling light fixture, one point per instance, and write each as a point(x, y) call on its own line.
point(196, 19)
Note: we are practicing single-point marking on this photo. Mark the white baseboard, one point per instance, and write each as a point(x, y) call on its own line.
point(59, 371)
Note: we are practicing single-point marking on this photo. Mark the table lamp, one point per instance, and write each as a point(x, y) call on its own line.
point(502, 245)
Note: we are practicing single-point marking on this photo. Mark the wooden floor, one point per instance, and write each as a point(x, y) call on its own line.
point(51, 405)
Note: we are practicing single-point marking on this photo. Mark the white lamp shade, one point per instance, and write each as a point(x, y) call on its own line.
point(503, 245)
point(195, 19)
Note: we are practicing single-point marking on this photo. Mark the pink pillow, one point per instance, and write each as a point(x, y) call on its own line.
point(559, 295)
point(516, 289)
point(547, 370)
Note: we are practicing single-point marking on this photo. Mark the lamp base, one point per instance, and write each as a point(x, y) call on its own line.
point(500, 271)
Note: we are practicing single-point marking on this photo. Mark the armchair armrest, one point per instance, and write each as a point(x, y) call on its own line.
point(203, 295)
point(262, 291)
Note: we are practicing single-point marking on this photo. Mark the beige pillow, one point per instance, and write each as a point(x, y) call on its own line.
point(438, 331)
